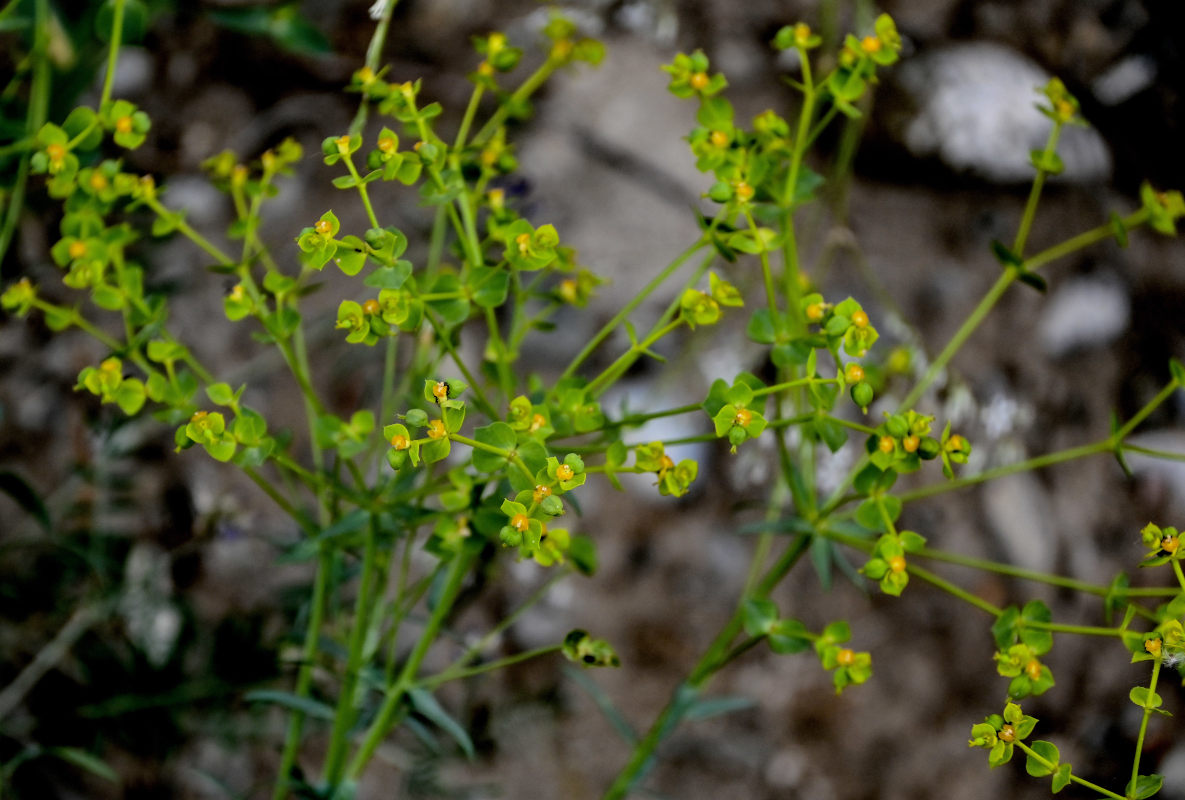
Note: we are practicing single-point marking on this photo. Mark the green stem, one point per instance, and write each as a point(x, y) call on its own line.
point(35, 117)
point(467, 672)
point(623, 362)
point(1028, 751)
point(707, 666)
point(374, 51)
point(1143, 413)
point(458, 569)
point(345, 714)
point(1144, 721)
point(628, 308)
point(516, 100)
point(304, 678)
point(1026, 220)
point(113, 50)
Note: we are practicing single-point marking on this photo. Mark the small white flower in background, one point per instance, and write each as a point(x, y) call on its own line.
point(378, 9)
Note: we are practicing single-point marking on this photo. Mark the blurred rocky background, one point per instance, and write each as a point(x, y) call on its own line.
point(156, 598)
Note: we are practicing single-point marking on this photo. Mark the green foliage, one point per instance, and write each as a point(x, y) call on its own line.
point(484, 457)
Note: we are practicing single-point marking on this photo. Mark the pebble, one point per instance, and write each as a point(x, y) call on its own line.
point(1082, 314)
point(976, 112)
point(1018, 512)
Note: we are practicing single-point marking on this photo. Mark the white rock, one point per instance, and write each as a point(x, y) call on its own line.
point(1019, 513)
point(976, 111)
point(1083, 313)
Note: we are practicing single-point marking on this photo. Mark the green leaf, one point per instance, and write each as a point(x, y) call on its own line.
point(84, 760)
point(1047, 751)
point(1145, 786)
point(759, 615)
point(25, 496)
point(497, 434)
point(1145, 699)
point(389, 277)
point(220, 394)
point(1061, 778)
point(303, 705)
point(426, 705)
point(489, 286)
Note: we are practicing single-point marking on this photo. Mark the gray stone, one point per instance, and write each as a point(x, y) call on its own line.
point(1083, 313)
point(1018, 512)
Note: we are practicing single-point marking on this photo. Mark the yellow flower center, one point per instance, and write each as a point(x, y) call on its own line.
point(523, 240)
point(897, 563)
point(343, 144)
point(123, 125)
point(1007, 733)
point(98, 181)
point(870, 44)
point(400, 442)
point(322, 227)
point(386, 144)
point(718, 138)
point(814, 312)
point(699, 81)
point(1065, 110)
point(537, 422)
point(520, 522)
point(1153, 646)
point(484, 69)
point(237, 292)
point(564, 472)
point(1169, 544)
point(886, 444)
point(860, 319)
point(497, 197)
point(371, 307)
point(845, 657)
point(239, 174)
point(955, 443)
point(744, 192)
point(1033, 669)
point(911, 443)
point(561, 49)
point(495, 43)
point(743, 417)
point(802, 32)
point(541, 493)
point(56, 152)
point(568, 290)
point(489, 156)
point(76, 249)
point(364, 75)
point(440, 390)
point(854, 373)
point(436, 429)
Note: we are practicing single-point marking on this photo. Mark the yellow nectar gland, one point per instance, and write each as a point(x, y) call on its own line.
point(564, 472)
point(870, 44)
point(744, 192)
point(440, 390)
point(489, 157)
point(343, 144)
point(718, 138)
point(238, 175)
point(537, 422)
point(496, 197)
point(698, 81)
point(1007, 733)
point(954, 444)
point(886, 444)
point(1065, 110)
point(400, 442)
point(541, 493)
point(436, 429)
point(802, 32)
point(860, 319)
point(523, 240)
point(495, 43)
point(323, 227)
point(561, 49)
point(1169, 544)
point(198, 418)
point(567, 290)
point(484, 69)
point(238, 292)
point(814, 312)
point(371, 307)
point(1033, 669)
point(364, 75)
point(520, 522)
point(77, 249)
point(845, 657)
point(743, 417)
point(55, 152)
point(386, 144)
point(897, 563)
point(854, 373)
point(1153, 646)
point(123, 125)
point(98, 181)
point(911, 443)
